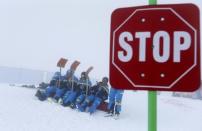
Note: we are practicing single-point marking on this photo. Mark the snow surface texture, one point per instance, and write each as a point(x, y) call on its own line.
point(21, 111)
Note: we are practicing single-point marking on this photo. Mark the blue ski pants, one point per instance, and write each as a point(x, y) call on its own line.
point(82, 106)
point(69, 97)
point(59, 93)
point(50, 91)
point(115, 98)
point(94, 105)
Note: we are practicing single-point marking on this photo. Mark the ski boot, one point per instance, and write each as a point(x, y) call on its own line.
point(66, 104)
point(72, 105)
point(38, 93)
point(55, 99)
point(116, 116)
point(60, 101)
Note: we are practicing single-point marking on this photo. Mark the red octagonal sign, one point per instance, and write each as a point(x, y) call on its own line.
point(155, 48)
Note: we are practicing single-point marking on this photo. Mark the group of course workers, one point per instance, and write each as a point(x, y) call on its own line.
point(80, 94)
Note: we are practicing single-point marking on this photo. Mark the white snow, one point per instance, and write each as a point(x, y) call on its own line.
point(21, 111)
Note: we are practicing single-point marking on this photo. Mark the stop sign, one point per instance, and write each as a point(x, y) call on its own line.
point(155, 48)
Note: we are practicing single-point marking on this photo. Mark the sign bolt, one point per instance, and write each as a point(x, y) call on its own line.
point(162, 19)
point(142, 75)
point(143, 19)
point(162, 75)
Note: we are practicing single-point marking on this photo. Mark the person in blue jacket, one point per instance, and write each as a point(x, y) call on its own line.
point(50, 90)
point(63, 85)
point(83, 89)
point(61, 89)
point(81, 106)
point(115, 99)
point(70, 96)
point(57, 87)
point(100, 96)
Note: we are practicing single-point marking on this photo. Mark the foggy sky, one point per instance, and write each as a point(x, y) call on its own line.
point(36, 33)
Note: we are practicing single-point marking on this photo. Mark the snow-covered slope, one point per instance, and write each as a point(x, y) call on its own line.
point(21, 111)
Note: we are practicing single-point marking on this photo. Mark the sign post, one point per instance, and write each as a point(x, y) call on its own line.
point(152, 100)
point(152, 111)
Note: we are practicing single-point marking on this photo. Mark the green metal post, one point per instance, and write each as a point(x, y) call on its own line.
point(152, 100)
point(152, 2)
point(152, 111)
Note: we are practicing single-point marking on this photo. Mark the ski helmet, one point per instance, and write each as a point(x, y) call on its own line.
point(56, 76)
point(69, 74)
point(105, 80)
point(83, 75)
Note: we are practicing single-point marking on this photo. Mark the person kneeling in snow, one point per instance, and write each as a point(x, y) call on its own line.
point(63, 86)
point(61, 89)
point(50, 90)
point(81, 106)
point(71, 95)
point(83, 86)
point(100, 96)
point(115, 98)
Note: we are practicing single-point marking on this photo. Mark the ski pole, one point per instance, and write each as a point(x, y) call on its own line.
point(87, 87)
point(72, 83)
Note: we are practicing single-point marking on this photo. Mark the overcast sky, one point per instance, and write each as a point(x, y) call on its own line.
point(36, 33)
